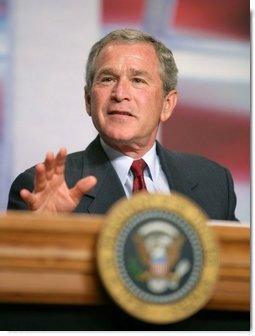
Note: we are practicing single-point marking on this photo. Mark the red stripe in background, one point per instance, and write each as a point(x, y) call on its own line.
point(122, 11)
point(222, 137)
point(226, 18)
point(229, 18)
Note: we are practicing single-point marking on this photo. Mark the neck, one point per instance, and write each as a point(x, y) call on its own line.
point(133, 151)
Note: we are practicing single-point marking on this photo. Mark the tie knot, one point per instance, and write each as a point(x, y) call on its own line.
point(137, 167)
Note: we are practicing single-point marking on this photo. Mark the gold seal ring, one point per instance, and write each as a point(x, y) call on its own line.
point(157, 257)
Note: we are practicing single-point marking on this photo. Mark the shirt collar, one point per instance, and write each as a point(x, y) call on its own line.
point(151, 160)
point(122, 163)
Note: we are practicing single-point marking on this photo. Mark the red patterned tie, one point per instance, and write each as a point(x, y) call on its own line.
point(137, 169)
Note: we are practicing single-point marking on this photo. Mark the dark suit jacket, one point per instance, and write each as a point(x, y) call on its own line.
point(207, 183)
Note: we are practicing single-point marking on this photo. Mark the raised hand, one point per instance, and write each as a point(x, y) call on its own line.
point(51, 193)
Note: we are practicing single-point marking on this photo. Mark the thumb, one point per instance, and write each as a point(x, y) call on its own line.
point(81, 187)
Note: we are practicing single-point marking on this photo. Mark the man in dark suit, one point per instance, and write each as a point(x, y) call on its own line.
point(130, 89)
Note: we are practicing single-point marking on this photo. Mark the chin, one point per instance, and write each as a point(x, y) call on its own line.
point(117, 140)
point(118, 136)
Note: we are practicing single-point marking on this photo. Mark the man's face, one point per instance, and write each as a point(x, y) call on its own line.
point(126, 101)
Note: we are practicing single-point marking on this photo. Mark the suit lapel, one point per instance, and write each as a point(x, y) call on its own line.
point(108, 188)
point(179, 178)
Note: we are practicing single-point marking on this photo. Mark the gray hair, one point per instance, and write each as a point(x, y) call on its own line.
point(168, 70)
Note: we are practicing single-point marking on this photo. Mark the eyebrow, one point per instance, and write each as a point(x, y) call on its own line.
point(134, 72)
point(143, 73)
point(104, 71)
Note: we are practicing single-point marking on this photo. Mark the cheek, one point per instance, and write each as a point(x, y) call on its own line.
point(152, 105)
point(99, 100)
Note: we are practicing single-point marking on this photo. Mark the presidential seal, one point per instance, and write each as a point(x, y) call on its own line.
point(157, 257)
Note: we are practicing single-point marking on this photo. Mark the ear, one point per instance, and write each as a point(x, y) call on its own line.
point(170, 102)
point(87, 98)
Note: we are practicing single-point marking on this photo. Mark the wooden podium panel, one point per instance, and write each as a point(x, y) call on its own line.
point(52, 259)
point(232, 291)
point(49, 259)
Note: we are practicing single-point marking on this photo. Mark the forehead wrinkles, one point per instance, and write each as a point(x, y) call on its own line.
point(135, 55)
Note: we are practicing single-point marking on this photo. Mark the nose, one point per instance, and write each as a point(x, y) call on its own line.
point(121, 90)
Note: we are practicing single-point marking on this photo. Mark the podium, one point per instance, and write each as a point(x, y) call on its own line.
point(50, 261)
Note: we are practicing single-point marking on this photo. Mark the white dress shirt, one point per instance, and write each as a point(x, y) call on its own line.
point(155, 179)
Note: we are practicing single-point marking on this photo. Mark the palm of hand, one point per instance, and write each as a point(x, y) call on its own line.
point(51, 193)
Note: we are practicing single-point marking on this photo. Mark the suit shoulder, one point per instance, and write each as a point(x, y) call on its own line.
point(189, 160)
point(75, 158)
point(194, 166)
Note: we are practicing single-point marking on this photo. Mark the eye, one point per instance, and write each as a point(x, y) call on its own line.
point(138, 80)
point(107, 79)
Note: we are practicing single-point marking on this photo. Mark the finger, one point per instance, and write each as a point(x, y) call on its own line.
point(81, 187)
point(49, 165)
point(60, 161)
point(27, 197)
point(40, 178)
point(25, 194)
